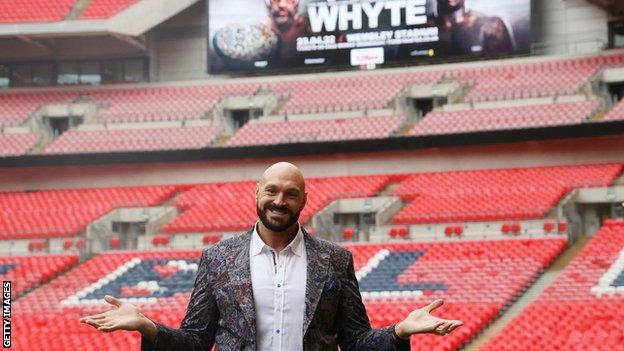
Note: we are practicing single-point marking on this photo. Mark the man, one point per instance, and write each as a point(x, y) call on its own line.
point(274, 288)
point(285, 21)
point(463, 32)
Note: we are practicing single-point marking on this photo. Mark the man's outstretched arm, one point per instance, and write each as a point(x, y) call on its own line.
point(196, 332)
point(355, 332)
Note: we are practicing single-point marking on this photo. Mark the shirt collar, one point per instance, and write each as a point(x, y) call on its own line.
point(257, 245)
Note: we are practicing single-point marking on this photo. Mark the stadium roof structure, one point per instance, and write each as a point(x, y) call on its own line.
point(127, 25)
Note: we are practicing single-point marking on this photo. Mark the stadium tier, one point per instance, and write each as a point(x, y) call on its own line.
point(116, 140)
point(99, 9)
point(164, 103)
point(481, 195)
point(17, 144)
point(218, 206)
point(347, 93)
point(582, 309)
point(548, 78)
point(462, 121)
point(27, 272)
point(34, 10)
point(477, 280)
point(59, 213)
point(488, 195)
point(320, 130)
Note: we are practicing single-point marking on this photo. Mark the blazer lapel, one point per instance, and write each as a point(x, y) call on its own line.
point(318, 262)
point(240, 281)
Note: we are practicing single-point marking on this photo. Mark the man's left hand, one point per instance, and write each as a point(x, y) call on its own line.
point(420, 321)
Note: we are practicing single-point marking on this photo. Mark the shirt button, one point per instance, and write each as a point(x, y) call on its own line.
point(279, 285)
point(277, 331)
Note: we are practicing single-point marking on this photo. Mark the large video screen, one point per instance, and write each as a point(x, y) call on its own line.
point(255, 35)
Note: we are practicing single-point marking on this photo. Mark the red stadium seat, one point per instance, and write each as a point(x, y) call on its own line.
point(578, 306)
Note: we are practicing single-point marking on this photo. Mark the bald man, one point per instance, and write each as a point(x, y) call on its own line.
point(274, 288)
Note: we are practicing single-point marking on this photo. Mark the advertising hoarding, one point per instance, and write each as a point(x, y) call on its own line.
point(254, 35)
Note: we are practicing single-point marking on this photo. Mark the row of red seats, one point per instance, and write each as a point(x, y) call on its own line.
point(17, 144)
point(549, 78)
point(118, 140)
point(34, 10)
point(581, 309)
point(98, 9)
point(27, 272)
point(376, 127)
point(218, 206)
point(341, 93)
point(15, 108)
point(64, 212)
point(449, 122)
point(489, 195)
point(617, 113)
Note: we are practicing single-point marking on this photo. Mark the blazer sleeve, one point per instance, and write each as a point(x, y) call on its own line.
point(198, 328)
point(354, 330)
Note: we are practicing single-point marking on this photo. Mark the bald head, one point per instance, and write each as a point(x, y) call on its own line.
point(280, 197)
point(285, 171)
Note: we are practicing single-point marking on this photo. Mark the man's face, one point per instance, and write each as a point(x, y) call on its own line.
point(279, 201)
point(283, 12)
point(448, 6)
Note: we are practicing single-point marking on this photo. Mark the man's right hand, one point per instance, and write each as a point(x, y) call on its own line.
point(124, 316)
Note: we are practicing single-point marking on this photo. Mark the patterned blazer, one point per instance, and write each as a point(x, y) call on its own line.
point(221, 308)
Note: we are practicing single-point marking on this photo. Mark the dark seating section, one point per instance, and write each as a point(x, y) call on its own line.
point(582, 309)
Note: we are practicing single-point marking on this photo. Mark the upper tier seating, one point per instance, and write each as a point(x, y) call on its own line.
point(617, 113)
point(17, 144)
point(488, 195)
point(115, 140)
point(26, 272)
point(58, 213)
point(231, 206)
point(316, 130)
point(582, 309)
point(449, 122)
point(347, 93)
point(12, 11)
point(164, 103)
point(476, 279)
point(545, 78)
point(15, 108)
point(99, 9)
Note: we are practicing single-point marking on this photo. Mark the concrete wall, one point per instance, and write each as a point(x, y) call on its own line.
point(526, 154)
point(568, 26)
point(177, 48)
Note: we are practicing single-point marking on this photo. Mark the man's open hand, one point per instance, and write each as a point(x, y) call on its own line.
point(420, 321)
point(123, 316)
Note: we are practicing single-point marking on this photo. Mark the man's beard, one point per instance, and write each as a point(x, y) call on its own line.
point(294, 217)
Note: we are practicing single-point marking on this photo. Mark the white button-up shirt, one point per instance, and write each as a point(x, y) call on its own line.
point(279, 284)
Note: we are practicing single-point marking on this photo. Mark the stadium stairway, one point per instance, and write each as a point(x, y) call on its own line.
point(531, 293)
